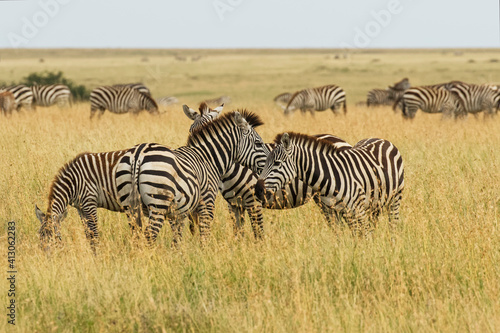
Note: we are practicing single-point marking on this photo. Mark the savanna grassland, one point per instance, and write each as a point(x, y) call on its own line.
point(439, 270)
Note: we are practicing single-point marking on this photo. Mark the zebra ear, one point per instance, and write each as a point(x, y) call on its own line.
point(190, 113)
point(241, 122)
point(285, 141)
point(39, 214)
point(219, 108)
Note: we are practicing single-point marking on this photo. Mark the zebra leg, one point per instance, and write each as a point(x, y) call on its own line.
point(156, 220)
point(177, 225)
point(193, 223)
point(327, 211)
point(255, 213)
point(394, 210)
point(238, 217)
point(206, 214)
point(89, 217)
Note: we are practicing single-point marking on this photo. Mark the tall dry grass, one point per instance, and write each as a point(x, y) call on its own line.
point(439, 271)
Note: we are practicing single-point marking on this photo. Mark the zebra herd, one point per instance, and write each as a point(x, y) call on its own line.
point(22, 96)
point(225, 154)
point(454, 99)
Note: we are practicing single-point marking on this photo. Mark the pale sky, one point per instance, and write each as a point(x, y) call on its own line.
point(249, 24)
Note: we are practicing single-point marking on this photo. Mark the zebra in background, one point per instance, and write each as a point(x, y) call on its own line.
point(218, 101)
point(47, 95)
point(120, 100)
point(173, 183)
point(376, 97)
point(205, 116)
point(238, 183)
point(7, 102)
point(317, 99)
point(137, 86)
point(430, 100)
point(166, 101)
point(87, 182)
point(283, 99)
point(402, 85)
point(357, 182)
point(23, 96)
point(476, 98)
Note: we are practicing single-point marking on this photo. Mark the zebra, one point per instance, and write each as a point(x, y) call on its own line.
point(205, 116)
point(283, 99)
point(218, 101)
point(317, 99)
point(173, 183)
point(166, 101)
point(120, 100)
point(7, 102)
point(238, 183)
point(47, 95)
point(402, 85)
point(476, 98)
point(430, 100)
point(376, 97)
point(137, 86)
point(357, 182)
point(23, 96)
point(87, 182)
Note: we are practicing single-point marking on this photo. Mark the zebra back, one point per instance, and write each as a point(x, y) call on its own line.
point(47, 95)
point(137, 86)
point(120, 100)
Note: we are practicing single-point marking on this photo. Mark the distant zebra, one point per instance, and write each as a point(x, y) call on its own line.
point(430, 100)
point(87, 182)
point(357, 182)
point(48, 95)
point(476, 98)
point(120, 100)
point(376, 97)
point(174, 183)
point(7, 102)
point(137, 86)
point(23, 96)
point(402, 85)
point(238, 183)
point(317, 99)
point(218, 101)
point(166, 101)
point(283, 99)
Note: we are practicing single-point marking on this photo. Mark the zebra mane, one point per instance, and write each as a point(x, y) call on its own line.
point(306, 139)
point(62, 171)
point(203, 108)
point(251, 118)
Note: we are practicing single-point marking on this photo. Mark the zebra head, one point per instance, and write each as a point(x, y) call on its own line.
point(205, 116)
point(50, 227)
point(251, 150)
point(279, 169)
point(295, 101)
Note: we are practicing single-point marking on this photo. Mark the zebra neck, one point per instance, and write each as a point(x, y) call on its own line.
point(62, 194)
point(312, 167)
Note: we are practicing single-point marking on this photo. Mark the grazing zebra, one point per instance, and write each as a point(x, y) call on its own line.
point(357, 182)
point(51, 94)
point(218, 101)
point(7, 102)
point(22, 94)
point(87, 182)
point(476, 98)
point(173, 183)
point(430, 100)
point(237, 184)
point(120, 100)
point(166, 101)
point(317, 99)
point(137, 86)
point(376, 97)
point(283, 99)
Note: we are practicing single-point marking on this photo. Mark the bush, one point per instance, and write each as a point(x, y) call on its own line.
point(79, 92)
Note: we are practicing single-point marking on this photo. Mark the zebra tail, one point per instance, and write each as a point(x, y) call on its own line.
point(134, 201)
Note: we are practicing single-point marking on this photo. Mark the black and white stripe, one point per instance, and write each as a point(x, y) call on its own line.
point(476, 98)
point(356, 182)
point(23, 96)
point(47, 95)
point(317, 99)
point(174, 183)
point(120, 100)
point(377, 97)
point(431, 100)
point(137, 86)
point(87, 182)
point(283, 99)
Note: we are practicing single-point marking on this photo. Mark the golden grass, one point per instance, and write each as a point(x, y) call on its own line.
point(438, 272)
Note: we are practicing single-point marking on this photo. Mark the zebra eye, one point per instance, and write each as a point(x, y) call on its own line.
point(258, 143)
point(277, 163)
